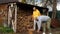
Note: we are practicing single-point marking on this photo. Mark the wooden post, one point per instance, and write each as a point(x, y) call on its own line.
point(15, 18)
point(9, 16)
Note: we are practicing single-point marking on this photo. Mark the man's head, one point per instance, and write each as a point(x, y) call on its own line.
point(34, 8)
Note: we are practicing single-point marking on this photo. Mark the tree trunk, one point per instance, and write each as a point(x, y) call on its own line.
point(55, 22)
point(54, 8)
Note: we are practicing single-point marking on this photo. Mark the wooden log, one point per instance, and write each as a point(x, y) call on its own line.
point(24, 23)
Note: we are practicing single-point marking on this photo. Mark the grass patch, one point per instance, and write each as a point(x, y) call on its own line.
point(6, 29)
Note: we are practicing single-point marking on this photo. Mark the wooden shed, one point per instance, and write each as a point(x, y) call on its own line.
point(21, 12)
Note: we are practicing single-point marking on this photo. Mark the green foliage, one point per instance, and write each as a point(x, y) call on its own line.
point(58, 15)
point(23, 1)
point(5, 29)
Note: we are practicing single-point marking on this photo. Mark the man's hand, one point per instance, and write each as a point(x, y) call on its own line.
point(36, 19)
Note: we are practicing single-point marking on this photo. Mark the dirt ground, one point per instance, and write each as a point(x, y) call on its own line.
point(54, 31)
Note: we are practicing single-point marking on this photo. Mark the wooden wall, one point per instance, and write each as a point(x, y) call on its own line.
point(3, 7)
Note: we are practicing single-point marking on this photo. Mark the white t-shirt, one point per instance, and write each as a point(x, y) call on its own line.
point(43, 18)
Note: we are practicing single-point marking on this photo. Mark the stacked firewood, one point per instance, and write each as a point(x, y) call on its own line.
point(24, 21)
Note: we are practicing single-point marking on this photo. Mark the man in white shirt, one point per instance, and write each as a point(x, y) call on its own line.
point(45, 20)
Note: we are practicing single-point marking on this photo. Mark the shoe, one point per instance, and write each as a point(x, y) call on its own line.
point(43, 32)
point(50, 33)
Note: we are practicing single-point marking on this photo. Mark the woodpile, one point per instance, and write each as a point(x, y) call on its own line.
point(24, 21)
